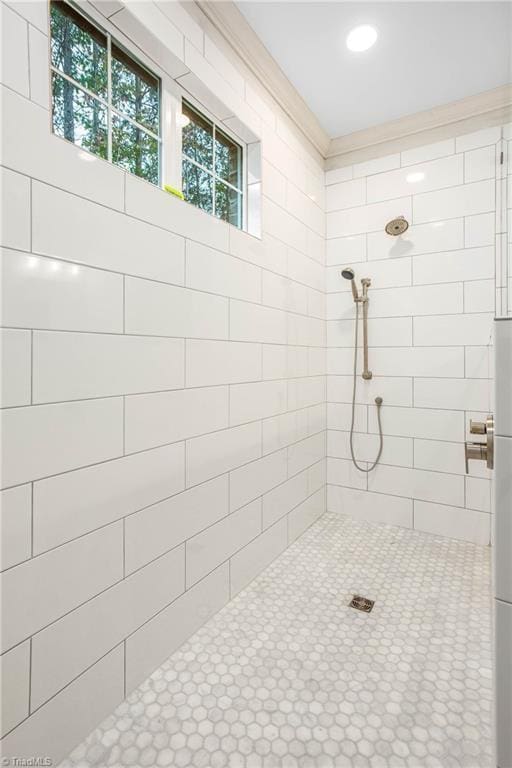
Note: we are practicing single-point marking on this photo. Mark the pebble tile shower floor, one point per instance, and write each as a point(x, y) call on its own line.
point(288, 675)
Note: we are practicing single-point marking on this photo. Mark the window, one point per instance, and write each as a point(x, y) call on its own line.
point(212, 167)
point(103, 99)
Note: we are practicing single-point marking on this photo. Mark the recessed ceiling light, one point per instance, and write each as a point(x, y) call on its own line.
point(361, 38)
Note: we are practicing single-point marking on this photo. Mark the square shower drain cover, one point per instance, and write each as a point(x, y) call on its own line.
point(361, 603)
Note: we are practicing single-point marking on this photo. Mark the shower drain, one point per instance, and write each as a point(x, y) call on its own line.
point(361, 603)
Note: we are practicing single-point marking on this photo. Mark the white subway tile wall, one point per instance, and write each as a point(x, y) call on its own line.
point(432, 303)
point(163, 391)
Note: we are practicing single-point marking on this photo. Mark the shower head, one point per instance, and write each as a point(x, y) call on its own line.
point(349, 274)
point(397, 226)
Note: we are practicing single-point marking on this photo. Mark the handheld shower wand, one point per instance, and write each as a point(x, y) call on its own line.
point(349, 274)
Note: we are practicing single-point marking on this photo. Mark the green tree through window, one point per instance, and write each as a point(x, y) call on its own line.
point(211, 167)
point(116, 117)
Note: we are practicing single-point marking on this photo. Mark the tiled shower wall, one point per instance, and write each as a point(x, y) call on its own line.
point(163, 396)
point(432, 303)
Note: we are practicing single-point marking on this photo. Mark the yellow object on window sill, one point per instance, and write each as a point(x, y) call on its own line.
point(174, 191)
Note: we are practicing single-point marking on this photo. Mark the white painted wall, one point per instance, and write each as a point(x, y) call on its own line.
point(164, 393)
point(432, 303)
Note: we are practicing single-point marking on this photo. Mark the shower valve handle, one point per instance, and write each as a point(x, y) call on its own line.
point(476, 451)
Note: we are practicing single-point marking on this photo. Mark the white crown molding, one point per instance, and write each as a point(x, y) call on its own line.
point(240, 36)
point(492, 107)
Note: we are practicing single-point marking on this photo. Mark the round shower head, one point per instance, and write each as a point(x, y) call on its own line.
point(348, 273)
point(397, 226)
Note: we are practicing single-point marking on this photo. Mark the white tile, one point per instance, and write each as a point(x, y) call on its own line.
point(343, 472)
point(337, 175)
point(219, 542)
point(282, 499)
point(372, 507)
point(449, 330)
point(46, 439)
point(317, 477)
point(69, 646)
point(69, 505)
point(394, 390)
point(275, 361)
point(479, 230)
point(15, 525)
point(439, 455)
point(300, 518)
point(31, 148)
point(347, 194)
point(418, 484)
point(340, 333)
point(437, 174)
point(221, 63)
point(44, 293)
point(419, 238)
point(503, 682)
point(305, 270)
point(15, 674)
point(465, 200)
point(479, 362)
point(72, 366)
point(56, 728)
point(157, 529)
point(108, 239)
point(379, 165)
point(503, 518)
point(257, 555)
point(274, 183)
point(418, 300)
point(428, 152)
point(417, 361)
point(253, 480)
point(39, 70)
point(211, 455)
point(339, 416)
point(249, 322)
point(480, 164)
point(147, 202)
point(167, 417)
point(306, 391)
point(305, 453)
point(503, 376)
point(346, 250)
point(169, 629)
point(282, 225)
point(280, 431)
point(34, 12)
point(367, 218)
point(419, 422)
point(15, 201)
point(478, 493)
point(395, 450)
point(449, 266)
point(216, 272)
point(481, 138)
point(15, 352)
point(453, 522)
point(479, 296)
point(306, 331)
point(47, 595)
point(275, 290)
point(221, 362)
point(385, 273)
point(248, 402)
point(15, 71)
point(164, 310)
point(454, 394)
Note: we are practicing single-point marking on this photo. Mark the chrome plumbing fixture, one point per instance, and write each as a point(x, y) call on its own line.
point(481, 451)
point(397, 226)
point(349, 274)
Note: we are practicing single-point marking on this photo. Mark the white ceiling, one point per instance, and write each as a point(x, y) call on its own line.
point(427, 54)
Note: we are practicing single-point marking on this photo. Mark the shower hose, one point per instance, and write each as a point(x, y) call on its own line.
point(378, 403)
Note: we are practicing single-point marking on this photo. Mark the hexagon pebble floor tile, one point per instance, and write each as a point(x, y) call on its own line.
point(288, 675)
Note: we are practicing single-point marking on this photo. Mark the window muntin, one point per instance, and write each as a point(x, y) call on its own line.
point(212, 168)
point(103, 99)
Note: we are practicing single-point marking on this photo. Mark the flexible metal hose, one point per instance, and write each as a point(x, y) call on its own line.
point(378, 403)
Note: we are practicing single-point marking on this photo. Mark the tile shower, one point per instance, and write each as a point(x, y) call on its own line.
point(178, 500)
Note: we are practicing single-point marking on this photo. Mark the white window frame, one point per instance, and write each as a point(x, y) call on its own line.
point(171, 96)
point(243, 159)
point(107, 103)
